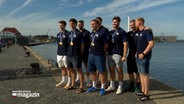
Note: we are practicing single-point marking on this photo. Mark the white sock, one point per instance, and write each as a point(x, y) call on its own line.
point(94, 84)
point(120, 84)
point(63, 79)
point(77, 78)
point(102, 86)
point(112, 84)
point(69, 81)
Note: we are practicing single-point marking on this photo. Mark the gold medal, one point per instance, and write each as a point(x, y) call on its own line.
point(71, 43)
point(92, 44)
point(60, 43)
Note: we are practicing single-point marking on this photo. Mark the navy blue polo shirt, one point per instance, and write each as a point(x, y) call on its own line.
point(101, 38)
point(142, 39)
point(131, 42)
point(75, 49)
point(62, 37)
point(86, 41)
point(117, 37)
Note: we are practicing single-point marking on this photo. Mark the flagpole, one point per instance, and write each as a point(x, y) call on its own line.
point(128, 23)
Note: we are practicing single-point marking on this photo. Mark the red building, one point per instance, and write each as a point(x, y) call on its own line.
point(13, 30)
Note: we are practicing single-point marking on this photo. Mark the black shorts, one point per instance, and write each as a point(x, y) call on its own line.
point(132, 66)
point(74, 62)
point(85, 57)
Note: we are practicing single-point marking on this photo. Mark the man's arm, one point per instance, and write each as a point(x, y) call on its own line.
point(125, 50)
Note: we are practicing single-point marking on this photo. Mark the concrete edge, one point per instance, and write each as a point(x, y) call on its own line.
point(42, 60)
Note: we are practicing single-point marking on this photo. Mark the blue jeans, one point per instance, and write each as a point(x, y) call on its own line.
point(143, 65)
point(96, 62)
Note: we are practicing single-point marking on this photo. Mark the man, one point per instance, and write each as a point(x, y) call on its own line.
point(131, 61)
point(144, 44)
point(86, 39)
point(62, 40)
point(74, 60)
point(106, 31)
point(117, 54)
point(98, 49)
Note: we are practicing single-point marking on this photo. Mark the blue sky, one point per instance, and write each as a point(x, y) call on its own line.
point(38, 16)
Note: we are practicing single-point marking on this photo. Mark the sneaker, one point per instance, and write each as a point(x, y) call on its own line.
point(144, 98)
point(91, 89)
point(102, 92)
point(109, 89)
point(119, 91)
point(139, 94)
point(137, 90)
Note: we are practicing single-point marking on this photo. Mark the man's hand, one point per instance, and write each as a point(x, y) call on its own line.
point(140, 56)
point(123, 59)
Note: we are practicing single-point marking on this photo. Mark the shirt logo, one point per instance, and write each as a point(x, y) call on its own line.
point(141, 35)
point(96, 35)
point(117, 33)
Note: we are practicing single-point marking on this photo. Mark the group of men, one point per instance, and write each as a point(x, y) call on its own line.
point(104, 51)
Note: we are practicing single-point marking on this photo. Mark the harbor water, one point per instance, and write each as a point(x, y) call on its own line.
point(167, 63)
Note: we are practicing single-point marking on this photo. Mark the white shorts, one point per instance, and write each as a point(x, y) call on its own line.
point(62, 61)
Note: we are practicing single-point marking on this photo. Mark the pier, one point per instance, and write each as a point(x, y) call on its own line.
point(14, 62)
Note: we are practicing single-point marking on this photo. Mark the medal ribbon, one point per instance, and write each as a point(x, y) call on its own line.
point(114, 33)
point(93, 37)
point(72, 33)
point(61, 36)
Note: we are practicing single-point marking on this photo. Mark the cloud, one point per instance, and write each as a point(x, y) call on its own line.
point(26, 3)
point(1, 2)
point(71, 3)
point(112, 6)
point(125, 6)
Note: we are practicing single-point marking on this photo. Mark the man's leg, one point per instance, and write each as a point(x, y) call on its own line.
point(120, 77)
point(103, 82)
point(73, 75)
point(87, 76)
point(112, 79)
point(69, 79)
point(61, 63)
point(81, 77)
point(138, 86)
point(94, 82)
point(146, 84)
point(131, 78)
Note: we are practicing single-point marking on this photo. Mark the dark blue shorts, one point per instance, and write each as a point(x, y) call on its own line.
point(143, 65)
point(96, 62)
point(74, 62)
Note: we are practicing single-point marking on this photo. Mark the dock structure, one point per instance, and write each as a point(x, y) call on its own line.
point(13, 62)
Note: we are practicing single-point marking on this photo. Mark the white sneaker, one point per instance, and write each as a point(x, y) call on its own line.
point(109, 89)
point(61, 84)
point(119, 91)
